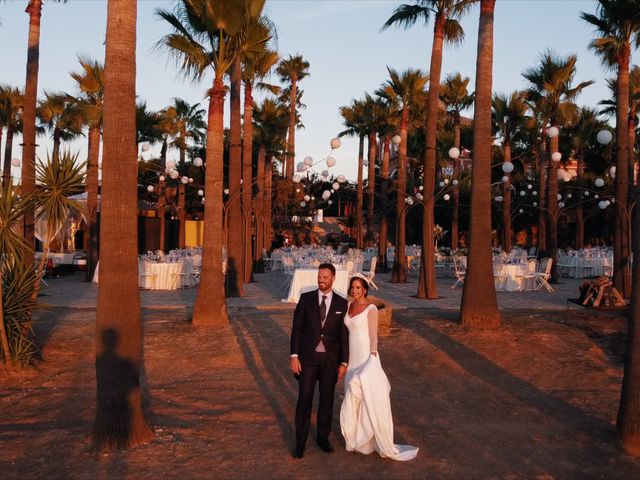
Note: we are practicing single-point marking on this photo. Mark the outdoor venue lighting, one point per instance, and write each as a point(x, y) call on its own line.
point(507, 167)
point(604, 137)
point(556, 156)
point(552, 132)
point(454, 153)
point(396, 139)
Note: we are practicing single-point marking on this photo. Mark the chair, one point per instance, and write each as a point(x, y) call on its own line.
point(144, 276)
point(370, 275)
point(266, 260)
point(532, 254)
point(288, 268)
point(459, 272)
point(541, 277)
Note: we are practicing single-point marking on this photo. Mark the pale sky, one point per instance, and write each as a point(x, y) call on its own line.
point(341, 39)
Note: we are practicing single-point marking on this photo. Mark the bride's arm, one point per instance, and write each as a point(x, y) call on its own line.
point(372, 317)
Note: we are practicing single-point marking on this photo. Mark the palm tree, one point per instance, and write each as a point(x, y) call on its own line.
point(119, 421)
point(446, 27)
point(11, 105)
point(147, 125)
point(208, 33)
point(583, 136)
point(61, 116)
point(90, 82)
point(291, 70)
point(616, 24)
point(456, 98)
point(479, 307)
point(255, 69)
point(353, 118)
point(406, 91)
point(551, 92)
point(509, 115)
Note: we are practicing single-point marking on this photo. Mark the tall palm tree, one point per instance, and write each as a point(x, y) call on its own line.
point(353, 119)
point(446, 27)
point(255, 69)
point(11, 104)
point(291, 70)
point(189, 125)
point(456, 98)
point(583, 136)
point(552, 92)
point(509, 115)
point(90, 83)
point(479, 307)
point(119, 421)
point(617, 24)
point(406, 90)
point(60, 115)
point(208, 33)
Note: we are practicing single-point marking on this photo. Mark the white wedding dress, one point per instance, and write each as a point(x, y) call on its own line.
point(365, 415)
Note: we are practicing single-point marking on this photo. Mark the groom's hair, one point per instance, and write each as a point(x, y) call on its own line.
point(328, 266)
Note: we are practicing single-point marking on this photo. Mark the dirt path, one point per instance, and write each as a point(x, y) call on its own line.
point(536, 399)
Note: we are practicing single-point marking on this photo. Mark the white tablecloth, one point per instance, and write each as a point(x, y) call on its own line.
point(509, 277)
point(158, 276)
point(580, 267)
point(306, 279)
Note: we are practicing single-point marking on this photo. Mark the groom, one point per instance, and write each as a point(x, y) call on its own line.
point(319, 353)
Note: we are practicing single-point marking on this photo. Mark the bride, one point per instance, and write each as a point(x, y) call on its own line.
point(365, 415)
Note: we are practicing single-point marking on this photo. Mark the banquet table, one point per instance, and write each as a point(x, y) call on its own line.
point(306, 279)
point(157, 276)
point(510, 277)
point(581, 267)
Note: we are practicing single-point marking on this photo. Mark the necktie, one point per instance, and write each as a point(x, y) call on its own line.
point(323, 309)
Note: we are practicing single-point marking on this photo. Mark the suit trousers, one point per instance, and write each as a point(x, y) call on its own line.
point(320, 368)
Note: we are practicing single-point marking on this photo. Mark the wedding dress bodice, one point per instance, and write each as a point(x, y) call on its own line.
point(363, 335)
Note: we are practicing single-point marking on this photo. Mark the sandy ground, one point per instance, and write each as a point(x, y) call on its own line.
point(536, 399)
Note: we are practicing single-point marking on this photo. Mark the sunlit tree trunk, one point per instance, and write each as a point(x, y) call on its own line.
point(479, 308)
point(182, 217)
point(552, 205)
point(579, 210)
point(91, 234)
point(268, 182)
point(119, 420)
point(259, 211)
point(360, 194)
point(427, 286)
point(290, 157)
point(8, 151)
point(34, 9)
point(247, 181)
point(210, 308)
point(542, 188)
point(235, 249)
point(371, 182)
point(384, 204)
point(399, 272)
point(455, 193)
point(506, 203)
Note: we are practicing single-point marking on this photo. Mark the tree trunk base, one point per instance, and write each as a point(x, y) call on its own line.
point(479, 319)
point(209, 318)
point(630, 443)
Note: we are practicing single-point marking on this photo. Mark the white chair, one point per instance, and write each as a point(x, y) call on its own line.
point(370, 275)
point(145, 279)
point(288, 268)
point(268, 261)
point(459, 271)
point(541, 278)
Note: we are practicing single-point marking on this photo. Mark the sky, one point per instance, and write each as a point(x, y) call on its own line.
point(342, 40)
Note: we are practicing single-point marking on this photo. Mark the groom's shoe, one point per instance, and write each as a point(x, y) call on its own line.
point(299, 451)
point(324, 445)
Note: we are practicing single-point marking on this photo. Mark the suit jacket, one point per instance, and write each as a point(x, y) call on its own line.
point(307, 329)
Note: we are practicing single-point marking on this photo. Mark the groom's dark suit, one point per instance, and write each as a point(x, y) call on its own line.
point(306, 333)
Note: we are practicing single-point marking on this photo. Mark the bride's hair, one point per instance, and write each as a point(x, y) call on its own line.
point(363, 282)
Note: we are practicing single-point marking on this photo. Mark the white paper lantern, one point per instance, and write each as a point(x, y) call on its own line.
point(505, 179)
point(308, 161)
point(507, 167)
point(303, 204)
point(150, 188)
point(201, 193)
point(598, 182)
point(529, 186)
point(604, 137)
point(307, 198)
point(596, 196)
point(184, 180)
point(447, 197)
point(455, 182)
point(396, 139)
point(522, 193)
point(15, 162)
point(586, 194)
point(410, 201)
point(330, 202)
point(162, 178)
point(561, 204)
point(603, 204)
point(301, 167)
point(534, 193)
point(171, 165)
point(335, 143)
point(226, 191)
point(197, 162)
point(446, 181)
point(341, 179)
point(569, 195)
point(454, 153)
point(556, 156)
point(174, 174)
point(498, 198)
point(421, 188)
point(419, 196)
point(552, 132)
point(559, 196)
point(441, 184)
point(190, 180)
point(521, 210)
point(612, 172)
point(296, 178)
point(535, 204)
point(331, 162)
point(297, 190)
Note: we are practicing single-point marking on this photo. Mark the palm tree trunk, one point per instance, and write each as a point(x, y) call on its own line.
point(91, 235)
point(290, 157)
point(119, 421)
point(247, 181)
point(162, 201)
point(621, 258)
point(8, 151)
point(628, 421)
point(506, 204)
point(552, 202)
point(455, 215)
point(163, 153)
point(4, 164)
point(371, 182)
point(360, 195)
point(210, 308)
point(258, 264)
point(631, 165)
point(268, 182)
point(34, 9)
point(427, 286)
point(579, 210)
point(479, 308)
point(235, 249)
point(183, 145)
point(56, 142)
point(181, 215)
point(399, 272)
point(384, 205)
point(542, 187)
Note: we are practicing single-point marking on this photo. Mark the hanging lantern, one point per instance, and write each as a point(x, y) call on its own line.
point(197, 162)
point(335, 143)
point(604, 137)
